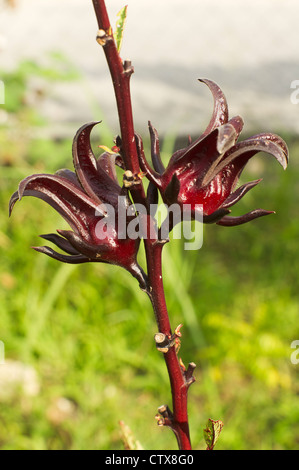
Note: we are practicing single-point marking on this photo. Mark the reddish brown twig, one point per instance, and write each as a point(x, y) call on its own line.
point(180, 379)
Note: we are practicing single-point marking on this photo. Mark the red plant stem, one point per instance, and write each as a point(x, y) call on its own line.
point(121, 82)
point(179, 387)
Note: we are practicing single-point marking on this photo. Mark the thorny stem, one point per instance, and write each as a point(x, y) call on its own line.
point(121, 73)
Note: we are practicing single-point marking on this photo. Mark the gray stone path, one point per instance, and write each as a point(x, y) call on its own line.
point(250, 48)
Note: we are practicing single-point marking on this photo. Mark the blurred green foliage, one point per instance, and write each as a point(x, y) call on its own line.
point(86, 332)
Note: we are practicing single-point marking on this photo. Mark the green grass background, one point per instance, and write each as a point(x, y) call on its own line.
point(87, 331)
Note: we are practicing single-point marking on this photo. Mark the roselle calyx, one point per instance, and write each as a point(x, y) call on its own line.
point(207, 171)
point(82, 199)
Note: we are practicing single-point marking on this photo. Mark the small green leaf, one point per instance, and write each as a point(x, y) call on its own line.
point(120, 26)
point(212, 432)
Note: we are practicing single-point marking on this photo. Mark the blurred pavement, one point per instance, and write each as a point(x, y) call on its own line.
point(249, 48)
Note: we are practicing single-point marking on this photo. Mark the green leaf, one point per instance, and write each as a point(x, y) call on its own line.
point(120, 26)
point(212, 432)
